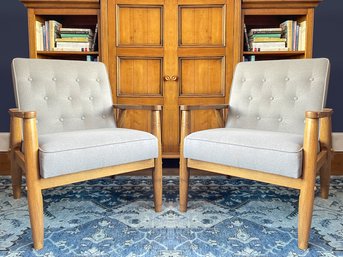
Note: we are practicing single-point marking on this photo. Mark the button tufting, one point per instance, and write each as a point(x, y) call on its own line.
point(70, 98)
point(287, 78)
point(258, 118)
point(243, 80)
point(279, 119)
point(295, 98)
point(46, 98)
point(91, 98)
point(250, 98)
point(237, 116)
point(98, 80)
point(83, 117)
point(263, 80)
point(29, 79)
point(104, 116)
point(54, 79)
point(61, 119)
point(311, 79)
point(77, 80)
point(271, 98)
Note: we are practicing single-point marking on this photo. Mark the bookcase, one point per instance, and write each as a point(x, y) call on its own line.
point(82, 14)
point(171, 52)
point(270, 14)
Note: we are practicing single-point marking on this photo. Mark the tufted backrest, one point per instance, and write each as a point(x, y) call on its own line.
point(274, 95)
point(67, 95)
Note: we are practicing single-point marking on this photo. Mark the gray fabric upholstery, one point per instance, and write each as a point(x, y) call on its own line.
point(265, 127)
point(69, 152)
point(67, 95)
point(274, 95)
point(76, 127)
point(272, 152)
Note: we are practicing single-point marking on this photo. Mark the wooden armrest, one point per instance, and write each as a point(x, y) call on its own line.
point(137, 107)
point(317, 115)
point(204, 107)
point(21, 114)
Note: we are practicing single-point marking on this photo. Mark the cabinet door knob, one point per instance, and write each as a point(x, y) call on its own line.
point(170, 78)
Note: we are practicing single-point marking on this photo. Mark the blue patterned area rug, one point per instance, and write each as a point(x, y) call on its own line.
point(226, 217)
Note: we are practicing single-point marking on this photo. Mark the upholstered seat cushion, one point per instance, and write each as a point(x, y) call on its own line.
point(70, 152)
point(271, 152)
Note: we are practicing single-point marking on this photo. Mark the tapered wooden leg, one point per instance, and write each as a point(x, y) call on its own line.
point(157, 172)
point(184, 181)
point(309, 176)
point(16, 174)
point(325, 138)
point(34, 191)
point(35, 201)
point(305, 216)
point(157, 181)
point(184, 171)
point(325, 174)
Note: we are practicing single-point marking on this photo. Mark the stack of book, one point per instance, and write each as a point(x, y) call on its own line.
point(50, 36)
point(266, 39)
point(46, 34)
point(295, 34)
point(75, 39)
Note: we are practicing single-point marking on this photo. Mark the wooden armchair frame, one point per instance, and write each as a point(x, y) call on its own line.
point(313, 161)
point(23, 128)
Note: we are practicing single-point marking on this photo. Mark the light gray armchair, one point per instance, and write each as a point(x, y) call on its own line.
point(275, 118)
point(64, 131)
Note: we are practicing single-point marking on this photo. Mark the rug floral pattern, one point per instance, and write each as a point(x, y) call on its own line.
point(226, 217)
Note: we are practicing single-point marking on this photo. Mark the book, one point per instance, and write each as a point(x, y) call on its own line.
point(95, 37)
point(265, 31)
point(268, 44)
point(54, 30)
point(39, 36)
point(76, 31)
point(246, 38)
point(302, 36)
point(46, 36)
point(73, 39)
point(264, 35)
point(65, 35)
point(287, 32)
point(269, 49)
point(73, 45)
point(267, 39)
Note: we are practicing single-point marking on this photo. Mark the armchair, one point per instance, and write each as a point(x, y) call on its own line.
point(275, 119)
point(64, 131)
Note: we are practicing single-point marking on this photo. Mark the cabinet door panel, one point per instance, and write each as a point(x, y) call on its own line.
point(203, 76)
point(139, 76)
point(139, 25)
point(201, 26)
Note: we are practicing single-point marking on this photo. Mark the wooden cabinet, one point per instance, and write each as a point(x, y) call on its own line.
point(171, 52)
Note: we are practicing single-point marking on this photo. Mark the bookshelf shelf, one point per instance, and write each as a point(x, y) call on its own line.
point(276, 53)
point(65, 53)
